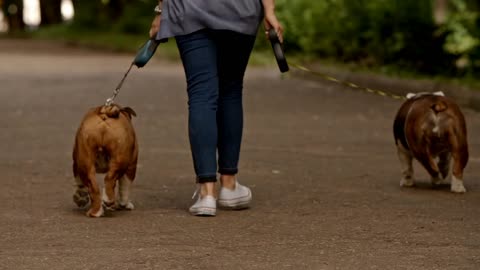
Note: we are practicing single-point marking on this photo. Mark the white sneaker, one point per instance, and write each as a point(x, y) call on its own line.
point(238, 198)
point(206, 206)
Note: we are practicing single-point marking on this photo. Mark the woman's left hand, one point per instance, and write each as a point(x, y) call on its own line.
point(271, 21)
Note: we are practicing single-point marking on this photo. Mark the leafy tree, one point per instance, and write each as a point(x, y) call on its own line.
point(368, 32)
point(463, 34)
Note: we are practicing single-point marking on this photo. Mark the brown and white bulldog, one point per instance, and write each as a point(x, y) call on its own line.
point(105, 143)
point(430, 128)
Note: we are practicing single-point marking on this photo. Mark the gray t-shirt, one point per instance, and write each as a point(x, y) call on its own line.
point(181, 17)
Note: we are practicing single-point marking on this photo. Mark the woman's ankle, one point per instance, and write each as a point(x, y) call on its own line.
point(228, 181)
point(207, 189)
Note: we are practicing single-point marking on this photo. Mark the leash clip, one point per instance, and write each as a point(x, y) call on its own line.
point(109, 101)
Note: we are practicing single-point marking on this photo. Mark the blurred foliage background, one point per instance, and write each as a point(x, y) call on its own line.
point(425, 36)
point(430, 37)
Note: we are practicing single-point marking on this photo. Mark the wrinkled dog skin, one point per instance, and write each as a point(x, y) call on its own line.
point(430, 128)
point(105, 143)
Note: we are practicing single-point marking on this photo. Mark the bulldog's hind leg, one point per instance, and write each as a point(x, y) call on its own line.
point(445, 166)
point(459, 164)
point(457, 182)
point(125, 186)
point(430, 164)
point(96, 209)
point(110, 181)
point(405, 158)
point(124, 193)
point(80, 197)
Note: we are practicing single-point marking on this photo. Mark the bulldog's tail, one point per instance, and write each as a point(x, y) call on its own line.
point(113, 111)
point(110, 111)
point(439, 106)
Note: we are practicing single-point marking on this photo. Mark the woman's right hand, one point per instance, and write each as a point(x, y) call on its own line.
point(155, 26)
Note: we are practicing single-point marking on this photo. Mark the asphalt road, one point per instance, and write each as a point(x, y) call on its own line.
point(320, 160)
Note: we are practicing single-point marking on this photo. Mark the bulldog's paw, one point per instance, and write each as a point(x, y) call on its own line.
point(81, 197)
point(457, 186)
point(436, 181)
point(108, 203)
point(447, 179)
point(109, 206)
point(127, 206)
point(95, 213)
point(407, 182)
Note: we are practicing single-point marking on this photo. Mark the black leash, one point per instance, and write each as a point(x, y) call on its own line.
point(117, 90)
point(283, 66)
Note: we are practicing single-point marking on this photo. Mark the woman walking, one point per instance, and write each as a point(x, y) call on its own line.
point(215, 39)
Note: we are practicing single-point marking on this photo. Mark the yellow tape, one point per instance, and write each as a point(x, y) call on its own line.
point(349, 84)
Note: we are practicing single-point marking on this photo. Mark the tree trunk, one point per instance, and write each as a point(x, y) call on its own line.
point(115, 9)
point(87, 13)
point(13, 12)
point(440, 11)
point(51, 12)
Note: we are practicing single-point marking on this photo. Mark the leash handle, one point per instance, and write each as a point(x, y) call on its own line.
point(278, 50)
point(146, 52)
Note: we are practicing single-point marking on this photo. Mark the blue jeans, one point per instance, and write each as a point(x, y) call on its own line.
point(215, 63)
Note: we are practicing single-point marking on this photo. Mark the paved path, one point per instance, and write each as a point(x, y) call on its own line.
point(319, 158)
